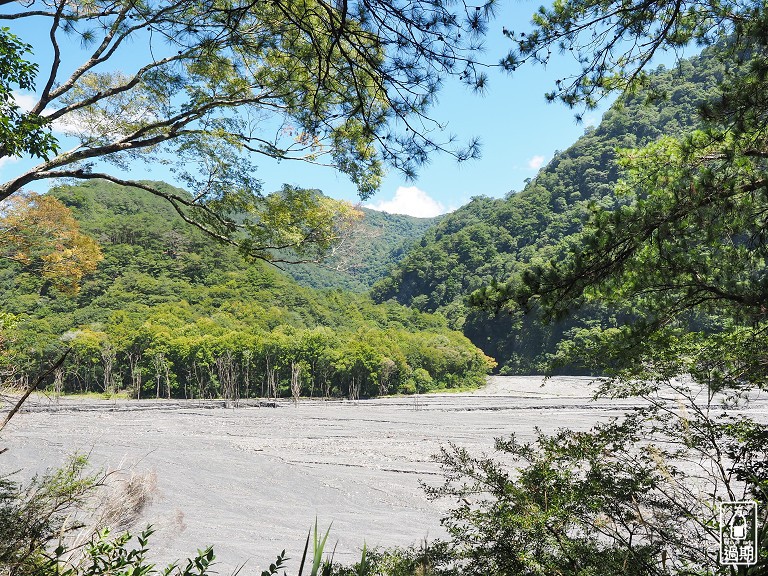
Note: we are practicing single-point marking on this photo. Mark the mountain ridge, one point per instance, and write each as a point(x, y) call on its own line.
point(490, 240)
point(379, 241)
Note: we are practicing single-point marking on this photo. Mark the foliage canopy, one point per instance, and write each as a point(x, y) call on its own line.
point(491, 240)
point(211, 85)
point(41, 233)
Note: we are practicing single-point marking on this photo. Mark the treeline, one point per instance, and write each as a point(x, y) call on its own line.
point(171, 313)
point(496, 240)
point(201, 360)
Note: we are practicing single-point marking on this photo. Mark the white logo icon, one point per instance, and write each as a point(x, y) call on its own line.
point(739, 525)
point(738, 533)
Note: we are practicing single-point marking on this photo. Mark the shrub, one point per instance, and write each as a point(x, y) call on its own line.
point(634, 496)
point(408, 387)
point(422, 380)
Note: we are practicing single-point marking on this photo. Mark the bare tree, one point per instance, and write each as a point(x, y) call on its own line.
point(388, 367)
point(271, 380)
point(108, 356)
point(162, 369)
point(354, 388)
point(247, 358)
point(58, 382)
point(295, 381)
point(133, 364)
point(227, 371)
point(32, 387)
point(197, 374)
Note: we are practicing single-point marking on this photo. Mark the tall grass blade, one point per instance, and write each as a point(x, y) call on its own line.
point(319, 546)
point(363, 567)
point(306, 547)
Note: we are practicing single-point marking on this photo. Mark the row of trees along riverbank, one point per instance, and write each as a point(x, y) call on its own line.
point(317, 362)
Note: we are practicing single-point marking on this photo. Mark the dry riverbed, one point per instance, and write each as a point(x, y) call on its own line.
point(251, 480)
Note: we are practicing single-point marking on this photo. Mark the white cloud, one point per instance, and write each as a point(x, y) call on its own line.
point(590, 120)
point(536, 162)
point(79, 123)
point(25, 101)
point(411, 201)
point(8, 160)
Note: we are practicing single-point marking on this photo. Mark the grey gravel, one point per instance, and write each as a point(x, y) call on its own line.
point(251, 480)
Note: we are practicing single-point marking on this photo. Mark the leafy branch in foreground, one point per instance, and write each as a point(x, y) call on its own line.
point(683, 248)
point(680, 257)
point(60, 518)
point(107, 554)
point(219, 83)
point(20, 132)
point(684, 258)
point(613, 43)
point(637, 495)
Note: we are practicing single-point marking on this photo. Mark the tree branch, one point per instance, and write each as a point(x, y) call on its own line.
point(32, 387)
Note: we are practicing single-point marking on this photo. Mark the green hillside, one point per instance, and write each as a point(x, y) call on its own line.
point(379, 242)
point(169, 311)
point(493, 239)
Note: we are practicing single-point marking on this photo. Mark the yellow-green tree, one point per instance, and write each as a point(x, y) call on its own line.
point(41, 233)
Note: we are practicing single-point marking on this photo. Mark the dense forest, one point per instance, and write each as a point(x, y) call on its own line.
point(171, 312)
point(492, 239)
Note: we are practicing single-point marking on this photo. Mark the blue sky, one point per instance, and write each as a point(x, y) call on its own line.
point(518, 129)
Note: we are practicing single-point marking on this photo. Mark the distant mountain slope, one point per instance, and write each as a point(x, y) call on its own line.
point(380, 242)
point(492, 238)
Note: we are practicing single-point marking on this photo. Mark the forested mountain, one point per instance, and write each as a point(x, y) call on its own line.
point(492, 239)
point(170, 305)
point(169, 311)
point(377, 243)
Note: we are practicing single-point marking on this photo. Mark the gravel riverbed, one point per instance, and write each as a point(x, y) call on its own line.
point(251, 480)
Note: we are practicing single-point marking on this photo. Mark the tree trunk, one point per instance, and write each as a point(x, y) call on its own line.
point(133, 365)
point(161, 368)
point(58, 381)
point(295, 382)
point(108, 359)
